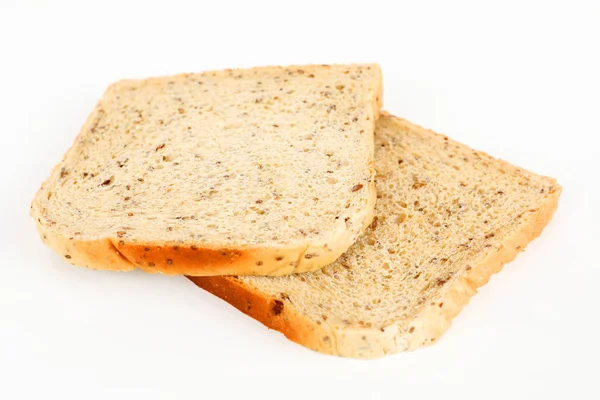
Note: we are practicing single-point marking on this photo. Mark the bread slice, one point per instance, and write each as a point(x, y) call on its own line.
point(261, 171)
point(447, 218)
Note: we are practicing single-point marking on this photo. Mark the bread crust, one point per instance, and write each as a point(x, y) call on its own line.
point(207, 259)
point(422, 330)
point(178, 259)
point(275, 313)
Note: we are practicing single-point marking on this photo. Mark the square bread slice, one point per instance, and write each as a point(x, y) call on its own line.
point(447, 218)
point(261, 171)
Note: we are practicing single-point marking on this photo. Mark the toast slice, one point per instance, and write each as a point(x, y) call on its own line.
point(262, 171)
point(446, 219)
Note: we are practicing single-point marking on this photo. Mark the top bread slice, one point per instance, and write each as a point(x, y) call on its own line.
point(263, 171)
point(447, 218)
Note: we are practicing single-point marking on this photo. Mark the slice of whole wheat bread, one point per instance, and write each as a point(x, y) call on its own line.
point(447, 218)
point(262, 171)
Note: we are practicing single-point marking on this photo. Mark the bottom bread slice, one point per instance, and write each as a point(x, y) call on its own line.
point(447, 218)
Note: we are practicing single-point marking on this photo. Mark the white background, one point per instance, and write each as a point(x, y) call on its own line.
point(519, 80)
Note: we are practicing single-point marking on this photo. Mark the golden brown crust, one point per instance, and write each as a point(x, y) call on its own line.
point(369, 343)
point(90, 254)
point(185, 259)
point(275, 313)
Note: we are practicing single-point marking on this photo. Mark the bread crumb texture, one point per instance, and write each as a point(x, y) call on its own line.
point(446, 219)
point(260, 171)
